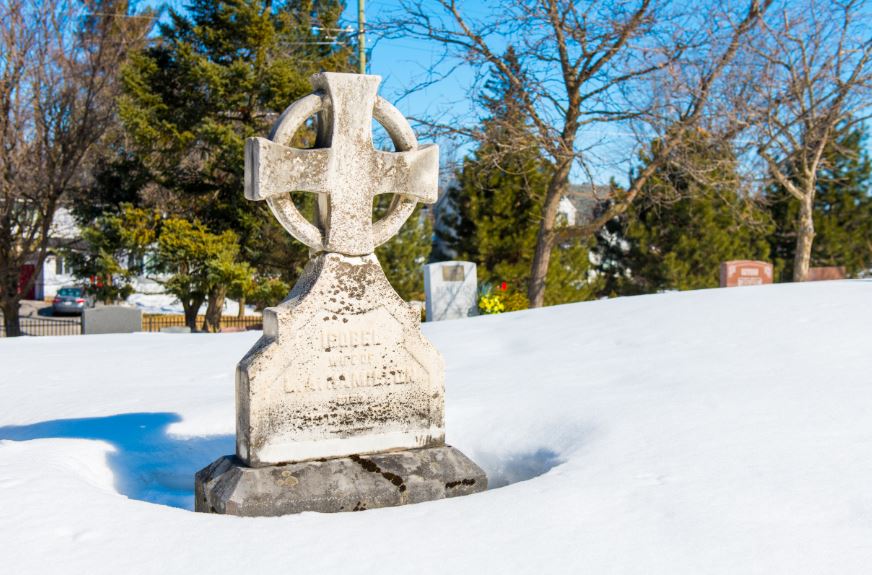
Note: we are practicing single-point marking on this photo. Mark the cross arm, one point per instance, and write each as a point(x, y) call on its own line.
point(272, 169)
point(414, 173)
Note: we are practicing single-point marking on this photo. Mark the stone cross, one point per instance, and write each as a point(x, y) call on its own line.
point(344, 168)
point(340, 405)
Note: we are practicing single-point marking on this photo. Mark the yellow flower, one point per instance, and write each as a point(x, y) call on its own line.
point(491, 303)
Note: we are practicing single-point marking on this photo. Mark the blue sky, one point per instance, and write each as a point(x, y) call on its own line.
point(401, 63)
point(404, 62)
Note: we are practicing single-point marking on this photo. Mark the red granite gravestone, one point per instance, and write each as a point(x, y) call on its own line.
point(739, 273)
point(826, 273)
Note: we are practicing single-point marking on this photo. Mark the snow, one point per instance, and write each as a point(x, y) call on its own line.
point(719, 431)
point(150, 298)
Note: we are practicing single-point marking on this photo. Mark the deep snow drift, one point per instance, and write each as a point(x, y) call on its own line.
point(719, 431)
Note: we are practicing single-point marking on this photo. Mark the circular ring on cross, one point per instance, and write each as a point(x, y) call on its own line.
point(282, 206)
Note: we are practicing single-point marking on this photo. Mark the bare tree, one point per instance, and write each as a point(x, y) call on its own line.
point(585, 65)
point(813, 73)
point(59, 65)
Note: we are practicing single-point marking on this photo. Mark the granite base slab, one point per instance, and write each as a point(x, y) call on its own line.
point(353, 483)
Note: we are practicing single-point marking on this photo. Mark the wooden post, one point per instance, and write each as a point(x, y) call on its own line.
point(361, 36)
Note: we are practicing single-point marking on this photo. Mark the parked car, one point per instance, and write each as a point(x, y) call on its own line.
point(70, 300)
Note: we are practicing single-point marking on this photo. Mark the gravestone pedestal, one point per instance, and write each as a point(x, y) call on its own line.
point(351, 483)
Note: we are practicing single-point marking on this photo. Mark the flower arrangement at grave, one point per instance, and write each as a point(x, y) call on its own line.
point(501, 300)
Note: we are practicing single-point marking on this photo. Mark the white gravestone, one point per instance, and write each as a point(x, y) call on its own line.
point(342, 369)
point(451, 289)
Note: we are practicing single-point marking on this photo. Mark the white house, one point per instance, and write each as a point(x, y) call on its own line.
point(580, 202)
point(55, 272)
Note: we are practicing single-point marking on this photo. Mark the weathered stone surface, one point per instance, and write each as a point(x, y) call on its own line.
point(343, 484)
point(342, 368)
point(344, 165)
point(451, 289)
point(340, 404)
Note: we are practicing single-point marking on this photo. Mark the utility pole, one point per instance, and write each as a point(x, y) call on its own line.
point(361, 36)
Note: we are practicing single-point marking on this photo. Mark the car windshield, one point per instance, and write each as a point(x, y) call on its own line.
point(70, 291)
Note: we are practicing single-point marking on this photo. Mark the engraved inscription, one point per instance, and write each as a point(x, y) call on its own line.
point(331, 338)
point(453, 273)
point(353, 352)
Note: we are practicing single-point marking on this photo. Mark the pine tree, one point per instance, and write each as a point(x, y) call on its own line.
point(218, 73)
point(842, 210)
point(403, 255)
point(692, 217)
point(495, 204)
point(202, 265)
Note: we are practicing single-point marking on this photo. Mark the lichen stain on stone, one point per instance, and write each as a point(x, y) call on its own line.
point(287, 479)
point(279, 406)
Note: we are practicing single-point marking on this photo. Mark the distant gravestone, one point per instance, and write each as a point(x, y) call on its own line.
point(340, 404)
point(111, 319)
point(740, 273)
point(826, 274)
point(451, 289)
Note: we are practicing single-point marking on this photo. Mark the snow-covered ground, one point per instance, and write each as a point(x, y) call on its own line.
point(721, 431)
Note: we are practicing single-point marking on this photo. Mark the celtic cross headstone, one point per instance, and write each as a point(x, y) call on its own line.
point(340, 404)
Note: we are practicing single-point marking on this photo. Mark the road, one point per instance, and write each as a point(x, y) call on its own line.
point(37, 319)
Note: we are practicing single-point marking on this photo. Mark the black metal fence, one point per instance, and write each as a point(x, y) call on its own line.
point(46, 326)
point(38, 325)
point(154, 322)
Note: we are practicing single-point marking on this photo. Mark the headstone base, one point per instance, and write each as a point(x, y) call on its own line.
point(351, 483)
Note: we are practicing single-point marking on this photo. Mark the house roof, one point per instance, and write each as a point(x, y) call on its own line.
point(585, 198)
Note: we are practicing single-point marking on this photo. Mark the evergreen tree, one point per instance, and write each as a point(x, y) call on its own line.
point(692, 217)
point(496, 212)
point(202, 265)
point(192, 263)
point(842, 210)
point(403, 255)
point(494, 208)
point(218, 73)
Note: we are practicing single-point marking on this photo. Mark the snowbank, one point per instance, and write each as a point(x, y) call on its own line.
point(720, 431)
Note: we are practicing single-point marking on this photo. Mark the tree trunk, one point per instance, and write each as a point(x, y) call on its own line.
point(241, 313)
point(545, 238)
point(804, 238)
point(11, 323)
point(192, 307)
point(212, 320)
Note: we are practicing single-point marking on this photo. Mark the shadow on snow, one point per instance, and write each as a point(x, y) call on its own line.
point(151, 465)
point(508, 469)
point(148, 464)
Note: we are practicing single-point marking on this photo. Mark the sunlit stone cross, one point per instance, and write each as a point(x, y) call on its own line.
point(342, 382)
point(344, 168)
